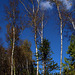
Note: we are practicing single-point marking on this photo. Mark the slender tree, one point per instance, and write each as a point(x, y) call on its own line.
point(13, 28)
point(58, 2)
point(34, 22)
point(68, 21)
point(45, 55)
point(23, 56)
point(42, 39)
point(62, 12)
point(61, 26)
point(61, 35)
point(41, 30)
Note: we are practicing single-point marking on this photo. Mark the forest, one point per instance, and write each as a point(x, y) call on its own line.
point(37, 37)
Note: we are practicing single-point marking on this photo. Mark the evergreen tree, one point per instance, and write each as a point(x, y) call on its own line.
point(69, 66)
point(45, 56)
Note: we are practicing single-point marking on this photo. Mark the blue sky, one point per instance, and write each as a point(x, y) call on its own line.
point(51, 31)
point(48, 5)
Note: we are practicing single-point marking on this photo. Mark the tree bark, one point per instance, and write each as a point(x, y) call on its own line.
point(42, 44)
point(37, 73)
point(73, 24)
point(61, 36)
point(13, 46)
point(12, 64)
point(36, 54)
point(27, 67)
point(14, 67)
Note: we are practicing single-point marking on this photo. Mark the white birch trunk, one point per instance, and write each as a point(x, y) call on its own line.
point(61, 37)
point(36, 54)
point(14, 67)
point(73, 24)
point(36, 43)
point(42, 31)
point(36, 50)
point(13, 46)
point(37, 61)
point(12, 64)
point(61, 50)
point(42, 44)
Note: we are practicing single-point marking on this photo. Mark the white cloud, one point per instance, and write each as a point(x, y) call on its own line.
point(45, 5)
point(67, 3)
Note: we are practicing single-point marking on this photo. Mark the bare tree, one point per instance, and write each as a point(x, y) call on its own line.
point(58, 3)
point(13, 28)
point(61, 13)
point(34, 21)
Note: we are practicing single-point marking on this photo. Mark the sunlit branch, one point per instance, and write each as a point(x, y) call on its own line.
point(24, 6)
point(72, 22)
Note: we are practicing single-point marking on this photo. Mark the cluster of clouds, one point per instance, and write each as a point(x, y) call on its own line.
point(48, 5)
point(67, 3)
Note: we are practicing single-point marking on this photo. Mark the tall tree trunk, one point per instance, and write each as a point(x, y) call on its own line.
point(35, 31)
point(36, 48)
point(61, 36)
point(42, 43)
point(36, 52)
point(45, 67)
point(14, 67)
point(13, 46)
point(36, 41)
point(12, 64)
point(27, 67)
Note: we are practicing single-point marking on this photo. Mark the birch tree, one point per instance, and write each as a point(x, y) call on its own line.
point(61, 34)
point(41, 31)
point(13, 28)
point(23, 56)
point(58, 2)
point(42, 41)
point(68, 21)
point(34, 21)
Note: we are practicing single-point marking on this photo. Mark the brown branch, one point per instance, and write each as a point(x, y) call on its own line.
point(24, 6)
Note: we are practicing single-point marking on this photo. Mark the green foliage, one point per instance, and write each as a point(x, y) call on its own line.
point(4, 62)
point(69, 66)
point(24, 65)
point(44, 49)
point(45, 56)
point(23, 59)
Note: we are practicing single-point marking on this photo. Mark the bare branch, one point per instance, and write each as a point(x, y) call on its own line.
point(72, 22)
point(39, 32)
point(38, 6)
point(24, 6)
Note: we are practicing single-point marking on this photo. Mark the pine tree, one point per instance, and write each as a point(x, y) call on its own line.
point(45, 56)
point(69, 65)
